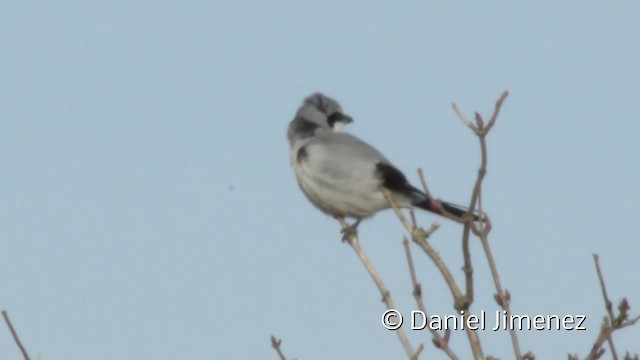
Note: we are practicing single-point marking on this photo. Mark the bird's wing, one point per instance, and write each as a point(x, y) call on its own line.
point(341, 157)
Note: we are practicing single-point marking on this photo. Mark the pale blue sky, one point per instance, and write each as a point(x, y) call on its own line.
point(148, 209)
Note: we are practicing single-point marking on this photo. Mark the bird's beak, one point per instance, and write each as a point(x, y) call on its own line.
point(346, 119)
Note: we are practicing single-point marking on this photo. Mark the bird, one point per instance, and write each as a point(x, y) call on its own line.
point(345, 177)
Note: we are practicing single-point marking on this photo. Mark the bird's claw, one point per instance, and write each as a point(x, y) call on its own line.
point(348, 233)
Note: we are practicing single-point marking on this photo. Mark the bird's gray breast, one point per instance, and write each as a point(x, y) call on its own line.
point(338, 177)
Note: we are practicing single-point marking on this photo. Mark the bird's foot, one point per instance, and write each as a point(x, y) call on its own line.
point(349, 231)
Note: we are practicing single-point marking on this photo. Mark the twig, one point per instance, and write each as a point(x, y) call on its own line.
point(482, 231)
point(485, 226)
point(417, 289)
point(597, 350)
point(503, 296)
point(424, 184)
point(413, 218)
point(629, 323)
point(415, 355)
point(419, 236)
point(403, 219)
point(611, 322)
point(607, 304)
point(438, 340)
point(15, 335)
point(275, 343)
point(462, 117)
point(352, 239)
point(496, 111)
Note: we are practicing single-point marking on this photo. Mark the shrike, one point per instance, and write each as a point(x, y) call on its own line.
point(344, 176)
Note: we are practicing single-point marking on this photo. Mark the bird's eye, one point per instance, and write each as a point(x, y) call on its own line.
point(333, 118)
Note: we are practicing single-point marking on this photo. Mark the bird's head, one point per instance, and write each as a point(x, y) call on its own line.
point(324, 111)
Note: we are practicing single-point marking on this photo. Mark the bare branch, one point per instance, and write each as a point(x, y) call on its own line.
point(496, 110)
point(629, 323)
point(482, 230)
point(276, 345)
point(424, 184)
point(15, 335)
point(462, 117)
point(608, 306)
point(438, 340)
point(417, 290)
point(607, 302)
point(480, 128)
point(352, 239)
point(597, 350)
point(403, 219)
point(417, 352)
point(611, 322)
point(420, 236)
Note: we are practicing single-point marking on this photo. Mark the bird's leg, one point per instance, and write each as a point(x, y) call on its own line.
point(348, 231)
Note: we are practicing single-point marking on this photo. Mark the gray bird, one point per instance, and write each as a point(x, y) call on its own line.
point(344, 176)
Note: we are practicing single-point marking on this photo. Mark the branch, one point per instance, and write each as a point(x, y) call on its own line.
point(275, 343)
point(482, 230)
point(15, 335)
point(438, 340)
point(415, 355)
point(419, 236)
point(607, 304)
point(352, 239)
point(611, 322)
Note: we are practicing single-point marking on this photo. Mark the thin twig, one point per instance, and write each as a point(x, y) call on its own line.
point(419, 236)
point(483, 229)
point(424, 184)
point(496, 111)
point(15, 335)
point(606, 330)
point(352, 239)
point(460, 301)
point(608, 306)
point(413, 218)
point(614, 352)
point(403, 219)
point(485, 226)
point(505, 298)
point(275, 343)
point(415, 355)
point(438, 340)
point(607, 302)
point(462, 117)
point(417, 289)
point(629, 322)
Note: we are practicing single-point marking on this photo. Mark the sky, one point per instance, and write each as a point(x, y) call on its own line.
point(148, 208)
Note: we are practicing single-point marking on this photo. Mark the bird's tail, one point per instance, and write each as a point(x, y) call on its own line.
point(442, 208)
